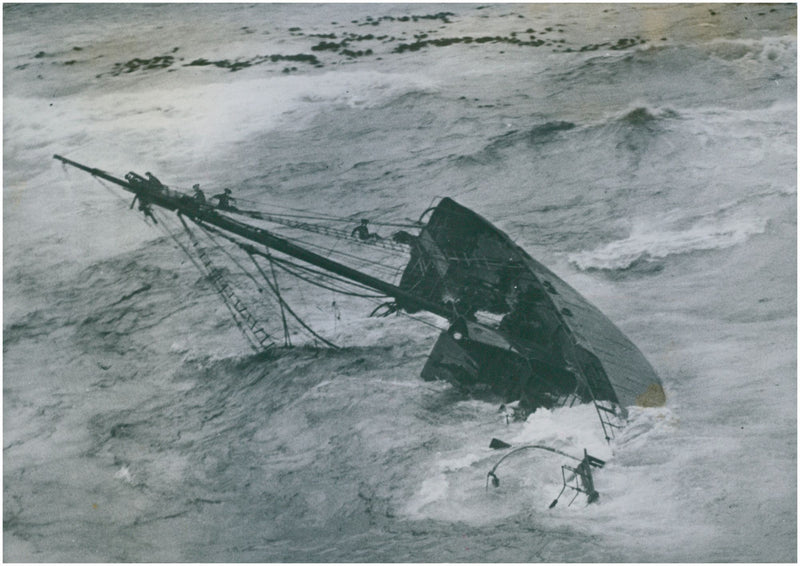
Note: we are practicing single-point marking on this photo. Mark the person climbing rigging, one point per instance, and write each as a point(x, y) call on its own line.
point(199, 196)
point(146, 209)
point(362, 232)
point(225, 199)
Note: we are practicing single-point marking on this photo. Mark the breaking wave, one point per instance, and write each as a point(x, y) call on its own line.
point(641, 116)
point(649, 241)
point(533, 136)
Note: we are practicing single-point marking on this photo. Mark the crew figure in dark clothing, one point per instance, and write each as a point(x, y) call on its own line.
point(152, 178)
point(199, 196)
point(225, 199)
point(144, 206)
point(362, 232)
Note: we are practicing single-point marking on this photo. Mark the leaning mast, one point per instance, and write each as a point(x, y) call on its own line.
point(183, 204)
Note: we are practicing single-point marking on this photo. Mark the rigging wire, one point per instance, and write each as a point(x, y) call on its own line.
point(182, 247)
point(378, 266)
point(375, 299)
point(343, 219)
point(287, 338)
point(469, 260)
point(254, 345)
point(118, 196)
point(289, 309)
point(371, 298)
point(323, 286)
point(274, 289)
point(249, 249)
point(227, 253)
point(332, 277)
point(392, 250)
point(325, 230)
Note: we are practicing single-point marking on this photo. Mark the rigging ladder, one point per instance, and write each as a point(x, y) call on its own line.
point(244, 319)
point(609, 417)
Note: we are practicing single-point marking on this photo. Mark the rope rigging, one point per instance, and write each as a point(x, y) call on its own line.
point(329, 218)
point(287, 338)
point(285, 305)
point(389, 270)
point(379, 300)
point(313, 276)
point(273, 287)
point(283, 263)
point(284, 219)
point(246, 322)
point(250, 249)
point(386, 243)
point(325, 230)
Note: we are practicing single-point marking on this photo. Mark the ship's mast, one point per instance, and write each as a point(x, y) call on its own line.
point(163, 197)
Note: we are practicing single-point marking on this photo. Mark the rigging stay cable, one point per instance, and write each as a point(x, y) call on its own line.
point(337, 233)
point(388, 269)
point(370, 298)
point(252, 341)
point(227, 253)
point(282, 264)
point(385, 243)
point(283, 304)
point(343, 219)
point(287, 338)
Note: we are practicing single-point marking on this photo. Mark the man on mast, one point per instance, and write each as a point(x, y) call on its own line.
point(199, 196)
point(225, 200)
point(362, 232)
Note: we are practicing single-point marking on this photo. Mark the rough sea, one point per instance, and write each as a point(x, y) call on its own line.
point(645, 153)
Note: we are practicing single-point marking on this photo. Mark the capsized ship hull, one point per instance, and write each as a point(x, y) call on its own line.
point(546, 344)
point(516, 329)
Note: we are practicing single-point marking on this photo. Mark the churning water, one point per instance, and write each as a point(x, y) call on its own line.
point(646, 153)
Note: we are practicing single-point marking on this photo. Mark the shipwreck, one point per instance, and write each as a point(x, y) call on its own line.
point(514, 330)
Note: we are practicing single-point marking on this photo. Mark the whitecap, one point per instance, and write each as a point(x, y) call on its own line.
point(653, 240)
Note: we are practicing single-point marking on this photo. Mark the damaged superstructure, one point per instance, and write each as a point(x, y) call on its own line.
point(550, 346)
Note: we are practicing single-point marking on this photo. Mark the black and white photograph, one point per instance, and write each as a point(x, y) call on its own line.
point(399, 283)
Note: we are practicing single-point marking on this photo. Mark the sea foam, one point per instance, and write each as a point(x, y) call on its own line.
point(651, 241)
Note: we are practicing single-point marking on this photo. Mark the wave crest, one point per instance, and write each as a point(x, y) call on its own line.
point(649, 242)
point(642, 115)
